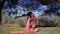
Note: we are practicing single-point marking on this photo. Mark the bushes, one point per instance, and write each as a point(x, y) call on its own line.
point(21, 21)
point(44, 22)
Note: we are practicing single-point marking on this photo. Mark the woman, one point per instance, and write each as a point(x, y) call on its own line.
point(30, 18)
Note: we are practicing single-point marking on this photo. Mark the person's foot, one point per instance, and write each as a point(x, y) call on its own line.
point(36, 29)
point(33, 30)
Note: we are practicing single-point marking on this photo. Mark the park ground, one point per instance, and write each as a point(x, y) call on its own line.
point(42, 30)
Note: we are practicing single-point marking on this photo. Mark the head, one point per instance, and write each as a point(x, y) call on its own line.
point(32, 16)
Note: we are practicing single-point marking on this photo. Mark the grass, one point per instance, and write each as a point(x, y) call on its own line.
point(47, 33)
point(4, 31)
point(8, 31)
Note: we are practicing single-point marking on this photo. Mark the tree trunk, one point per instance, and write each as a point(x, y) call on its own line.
point(1, 6)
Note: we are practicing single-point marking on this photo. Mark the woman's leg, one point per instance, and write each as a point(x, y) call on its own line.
point(33, 29)
point(27, 26)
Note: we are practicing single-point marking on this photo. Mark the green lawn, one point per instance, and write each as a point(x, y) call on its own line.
point(8, 30)
point(47, 32)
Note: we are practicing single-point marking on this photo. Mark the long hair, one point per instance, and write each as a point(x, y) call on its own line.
point(32, 16)
point(29, 14)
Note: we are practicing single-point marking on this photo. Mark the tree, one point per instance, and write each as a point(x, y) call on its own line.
point(1, 6)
